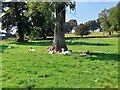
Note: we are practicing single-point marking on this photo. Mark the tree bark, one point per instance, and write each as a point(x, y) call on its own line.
point(110, 33)
point(59, 33)
point(19, 24)
point(20, 33)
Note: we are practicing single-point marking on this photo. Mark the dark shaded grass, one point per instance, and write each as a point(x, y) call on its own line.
point(104, 56)
point(46, 43)
point(41, 43)
point(2, 48)
point(89, 44)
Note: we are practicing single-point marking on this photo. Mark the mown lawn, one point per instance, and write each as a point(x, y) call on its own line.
point(92, 34)
point(24, 69)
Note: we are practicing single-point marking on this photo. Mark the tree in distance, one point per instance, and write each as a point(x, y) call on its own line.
point(82, 30)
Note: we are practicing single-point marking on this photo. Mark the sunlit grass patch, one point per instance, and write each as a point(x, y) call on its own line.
point(24, 69)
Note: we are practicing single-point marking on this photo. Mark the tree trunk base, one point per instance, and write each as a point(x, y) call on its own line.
point(58, 50)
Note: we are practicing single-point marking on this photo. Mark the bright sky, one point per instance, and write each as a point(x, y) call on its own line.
point(86, 11)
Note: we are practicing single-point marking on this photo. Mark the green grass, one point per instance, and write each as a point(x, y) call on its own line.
point(92, 34)
point(97, 34)
point(24, 69)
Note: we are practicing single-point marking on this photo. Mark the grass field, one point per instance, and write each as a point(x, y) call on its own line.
point(92, 34)
point(24, 69)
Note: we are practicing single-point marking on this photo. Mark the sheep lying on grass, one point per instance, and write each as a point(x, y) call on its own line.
point(66, 52)
point(63, 51)
point(51, 52)
point(10, 47)
point(31, 49)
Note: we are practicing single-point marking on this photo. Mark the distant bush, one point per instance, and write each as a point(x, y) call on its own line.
point(82, 30)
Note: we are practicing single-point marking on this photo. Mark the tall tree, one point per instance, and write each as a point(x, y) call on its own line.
point(114, 17)
point(103, 17)
point(118, 14)
point(14, 15)
point(110, 19)
point(118, 6)
point(59, 38)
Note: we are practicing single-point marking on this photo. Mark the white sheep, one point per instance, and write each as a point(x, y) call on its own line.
point(66, 52)
point(10, 47)
point(32, 50)
point(51, 52)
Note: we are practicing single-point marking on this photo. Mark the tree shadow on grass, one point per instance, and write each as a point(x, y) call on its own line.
point(3, 48)
point(104, 57)
point(49, 43)
point(41, 43)
point(88, 44)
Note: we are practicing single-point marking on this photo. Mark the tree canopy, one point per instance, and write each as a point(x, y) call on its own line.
point(42, 18)
point(14, 15)
point(114, 17)
point(82, 30)
point(110, 18)
point(92, 25)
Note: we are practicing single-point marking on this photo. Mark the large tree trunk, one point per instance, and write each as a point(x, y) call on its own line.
point(20, 33)
point(110, 33)
point(19, 22)
point(59, 38)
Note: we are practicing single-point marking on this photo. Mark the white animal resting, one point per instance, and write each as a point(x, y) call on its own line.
point(66, 52)
point(32, 50)
point(63, 51)
point(84, 54)
point(10, 47)
point(51, 52)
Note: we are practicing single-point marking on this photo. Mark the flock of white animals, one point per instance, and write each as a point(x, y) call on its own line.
point(63, 51)
point(68, 52)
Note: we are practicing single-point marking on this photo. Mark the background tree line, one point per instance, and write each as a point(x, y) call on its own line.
point(32, 19)
point(108, 21)
point(36, 20)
